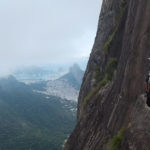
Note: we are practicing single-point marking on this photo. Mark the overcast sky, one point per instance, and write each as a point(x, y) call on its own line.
point(34, 32)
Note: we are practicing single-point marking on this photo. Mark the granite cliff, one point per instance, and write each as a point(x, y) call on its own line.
point(112, 110)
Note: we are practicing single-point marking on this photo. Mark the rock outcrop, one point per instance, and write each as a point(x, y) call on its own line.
point(111, 96)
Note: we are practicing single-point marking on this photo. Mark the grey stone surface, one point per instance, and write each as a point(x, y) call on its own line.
point(119, 104)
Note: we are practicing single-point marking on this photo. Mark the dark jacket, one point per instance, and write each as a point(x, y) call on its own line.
point(147, 78)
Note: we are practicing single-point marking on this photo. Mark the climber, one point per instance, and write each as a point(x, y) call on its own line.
point(147, 83)
point(148, 89)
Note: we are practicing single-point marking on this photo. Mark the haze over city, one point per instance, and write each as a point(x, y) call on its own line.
point(35, 32)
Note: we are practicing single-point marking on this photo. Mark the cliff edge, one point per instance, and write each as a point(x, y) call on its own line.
point(112, 110)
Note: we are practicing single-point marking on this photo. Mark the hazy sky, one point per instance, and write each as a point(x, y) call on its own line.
point(34, 32)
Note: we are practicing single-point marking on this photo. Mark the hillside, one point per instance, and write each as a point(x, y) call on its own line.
point(30, 120)
point(67, 86)
point(74, 76)
point(112, 109)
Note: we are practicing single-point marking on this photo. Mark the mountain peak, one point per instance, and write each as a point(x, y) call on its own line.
point(77, 73)
point(74, 67)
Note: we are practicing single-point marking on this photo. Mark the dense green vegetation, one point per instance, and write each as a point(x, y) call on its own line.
point(29, 120)
point(115, 143)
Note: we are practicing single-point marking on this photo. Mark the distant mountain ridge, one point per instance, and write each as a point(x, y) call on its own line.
point(34, 74)
point(74, 77)
point(45, 72)
point(67, 86)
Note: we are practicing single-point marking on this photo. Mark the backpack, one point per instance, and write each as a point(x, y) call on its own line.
point(148, 79)
point(148, 100)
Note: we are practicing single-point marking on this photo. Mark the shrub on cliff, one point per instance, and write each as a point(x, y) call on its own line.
point(115, 143)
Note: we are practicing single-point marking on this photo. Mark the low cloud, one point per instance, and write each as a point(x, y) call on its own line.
point(34, 32)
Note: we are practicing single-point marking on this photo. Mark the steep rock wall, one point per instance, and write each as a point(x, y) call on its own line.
point(124, 35)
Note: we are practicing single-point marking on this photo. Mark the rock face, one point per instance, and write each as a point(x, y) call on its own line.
point(111, 96)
